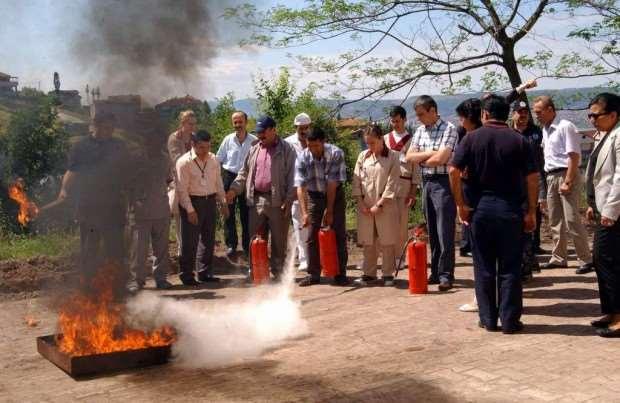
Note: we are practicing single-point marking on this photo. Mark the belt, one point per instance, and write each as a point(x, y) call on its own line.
point(259, 193)
point(429, 177)
point(315, 193)
point(212, 195)
point(405, 177)
point(556, 170)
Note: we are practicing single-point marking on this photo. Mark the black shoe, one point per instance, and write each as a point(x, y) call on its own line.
point(444, 285)
point(190, 282)
point(600, 324)
point(585, 269)
point(308, 281)
point(340, 281)
point(540, 251)
point(551, 265)
point(208, 279)
point(492, 328)
point(536, 268)
point(609, 333)
point(464, 252)
point(512, 329)
point(231, 252)
point(526, 278)
point(432, 280)
point(163, 284)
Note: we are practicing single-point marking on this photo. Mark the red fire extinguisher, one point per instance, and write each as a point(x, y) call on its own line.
point(416, 260)
point(259, 260)
point(328, 252)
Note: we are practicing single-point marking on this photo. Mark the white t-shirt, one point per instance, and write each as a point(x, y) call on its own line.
point(559, 139)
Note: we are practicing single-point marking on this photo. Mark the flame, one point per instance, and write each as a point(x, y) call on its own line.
point(93, 323)
point(27, 209)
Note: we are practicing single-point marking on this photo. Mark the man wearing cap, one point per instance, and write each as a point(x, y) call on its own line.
point(266, 179)
point(320, 172)
point(562, 151)
point(200, 187)
point(231, 154)
point(298, 141)
point(97, 178)
point(398, 140)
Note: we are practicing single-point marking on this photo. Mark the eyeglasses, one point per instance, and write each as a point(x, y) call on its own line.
point(595, 116)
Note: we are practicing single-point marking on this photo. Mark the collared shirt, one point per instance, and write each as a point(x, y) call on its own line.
point(315, 173)
point(432, 138)
point(232, 153)
point(559, 139)
point(178, 146)
point(262, 175)
point(198, 178)
point(293, 140)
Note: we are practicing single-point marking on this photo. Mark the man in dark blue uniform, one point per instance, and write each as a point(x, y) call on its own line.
point(503, 173)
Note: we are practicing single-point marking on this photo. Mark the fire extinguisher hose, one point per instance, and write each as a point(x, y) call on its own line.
point(403, 254)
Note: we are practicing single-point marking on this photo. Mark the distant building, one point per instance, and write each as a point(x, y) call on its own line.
point(8, 83)
point(170, 108)
point(70, 99)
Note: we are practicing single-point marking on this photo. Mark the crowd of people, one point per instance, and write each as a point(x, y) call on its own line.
point(496, 174)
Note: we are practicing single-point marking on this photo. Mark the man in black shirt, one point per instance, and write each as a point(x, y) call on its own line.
point(503, 175)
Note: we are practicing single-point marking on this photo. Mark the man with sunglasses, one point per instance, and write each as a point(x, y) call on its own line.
point(562, 152)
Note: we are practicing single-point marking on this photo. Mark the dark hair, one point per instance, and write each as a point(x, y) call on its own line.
point(546, 100)
point(426, 102)
point(374, 130)
point(610, 101)
point(316, 134)
point(398, 110)
point(497, 107)
point(471, 110)
point(201, 135)
point(245, 115)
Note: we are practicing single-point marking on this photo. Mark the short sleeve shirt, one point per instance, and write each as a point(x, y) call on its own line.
point(497, 160)
point(314, 173)
point(559, 139)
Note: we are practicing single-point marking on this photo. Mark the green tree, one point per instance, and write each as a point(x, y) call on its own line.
point(442, 42)
point(219, 123)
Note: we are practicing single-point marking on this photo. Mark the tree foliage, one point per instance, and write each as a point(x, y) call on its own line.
point(444, 42)
point(219, 123)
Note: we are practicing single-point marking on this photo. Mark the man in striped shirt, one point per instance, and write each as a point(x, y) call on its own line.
point(431, 148)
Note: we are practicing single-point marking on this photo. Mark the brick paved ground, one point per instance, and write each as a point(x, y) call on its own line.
point(371, 345)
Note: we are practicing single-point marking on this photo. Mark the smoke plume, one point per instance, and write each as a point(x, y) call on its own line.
point(150, 47)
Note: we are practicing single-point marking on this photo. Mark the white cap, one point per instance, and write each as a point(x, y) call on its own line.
point(302, 119)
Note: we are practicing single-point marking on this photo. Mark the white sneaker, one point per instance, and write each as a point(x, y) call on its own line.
point(302, 267)
point(469, 307)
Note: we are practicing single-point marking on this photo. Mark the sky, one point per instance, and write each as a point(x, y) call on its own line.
point(37, 38)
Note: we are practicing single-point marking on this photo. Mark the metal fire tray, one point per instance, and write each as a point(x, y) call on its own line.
point(88, 365)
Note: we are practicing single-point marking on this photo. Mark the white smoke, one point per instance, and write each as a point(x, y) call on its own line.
point(220, 333)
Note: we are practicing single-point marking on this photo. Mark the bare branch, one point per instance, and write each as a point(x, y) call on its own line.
point(531, 21)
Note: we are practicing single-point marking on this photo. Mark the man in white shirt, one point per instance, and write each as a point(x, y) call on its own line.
point(199, 184)
point(562, 151)
point(302, 124)
point(398, 140)
point(231, 154)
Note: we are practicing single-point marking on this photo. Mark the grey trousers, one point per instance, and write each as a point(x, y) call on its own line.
point(152, 233)
point(440, 212)
point(565, 220)
point(274, 222)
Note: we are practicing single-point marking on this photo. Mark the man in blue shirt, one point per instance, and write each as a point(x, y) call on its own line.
point(231, 154)
point(320, 172)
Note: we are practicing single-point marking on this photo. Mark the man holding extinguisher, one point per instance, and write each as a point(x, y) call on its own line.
point(320, 172)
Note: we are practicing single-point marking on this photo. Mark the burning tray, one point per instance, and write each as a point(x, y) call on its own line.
point(77, 366)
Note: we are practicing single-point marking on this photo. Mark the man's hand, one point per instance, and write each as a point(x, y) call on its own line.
point(543, 205)
point(607, 222)
point(464, 213)
point(590, 214)
point(565, 187)
point(410, 202)
point(374, 210)
point(328, 218)
point(305, 220)
point(224, 210)
point(363, 209)
point(192, 218)
point(529, 222)
point(230, 196)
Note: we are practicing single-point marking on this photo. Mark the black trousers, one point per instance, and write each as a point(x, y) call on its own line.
point(198, 241)
point(100, 244)
point(497, 230)
point(230, 225)
point(607, 263)
point(317, 202)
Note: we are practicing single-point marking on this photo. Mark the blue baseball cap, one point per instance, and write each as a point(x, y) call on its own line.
point(263, 123)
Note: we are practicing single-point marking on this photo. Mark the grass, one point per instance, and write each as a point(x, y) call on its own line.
point(25, 247)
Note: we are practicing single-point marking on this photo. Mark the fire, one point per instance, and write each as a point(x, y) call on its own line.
point(27, 209)
point(93, 323)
